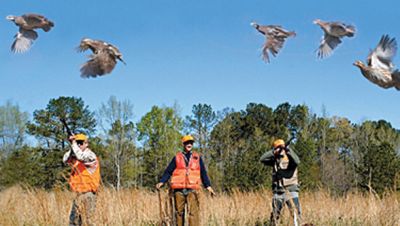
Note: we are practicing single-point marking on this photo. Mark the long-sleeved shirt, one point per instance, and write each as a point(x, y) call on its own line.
point(87, 156)
point(172, 165)
point(284, 172)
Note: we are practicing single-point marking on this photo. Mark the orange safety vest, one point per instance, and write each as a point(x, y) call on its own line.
point(81, 180)
point(186, 176)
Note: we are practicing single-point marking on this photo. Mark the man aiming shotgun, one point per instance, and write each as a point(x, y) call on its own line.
point(84, 179)
point(285, 186)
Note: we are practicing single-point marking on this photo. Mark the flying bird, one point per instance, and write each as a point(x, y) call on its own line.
point(103, 59)
point(275, 38)
point(380, 69)
point(333, 33)
point(27, 24)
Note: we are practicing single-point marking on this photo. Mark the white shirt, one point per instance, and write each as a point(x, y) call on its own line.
point(88, 157)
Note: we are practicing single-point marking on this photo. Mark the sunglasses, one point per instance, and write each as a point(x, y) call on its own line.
point(80, 142)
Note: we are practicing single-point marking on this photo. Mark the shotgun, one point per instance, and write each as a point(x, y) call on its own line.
point(293, 134)
point(69, 132)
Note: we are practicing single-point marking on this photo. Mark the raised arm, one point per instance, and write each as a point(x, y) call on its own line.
point(268, 158)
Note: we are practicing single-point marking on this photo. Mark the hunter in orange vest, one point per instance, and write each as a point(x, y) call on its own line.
point(188, 175)
point(84, 179)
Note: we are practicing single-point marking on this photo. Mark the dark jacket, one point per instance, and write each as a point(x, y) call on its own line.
point(284, 170)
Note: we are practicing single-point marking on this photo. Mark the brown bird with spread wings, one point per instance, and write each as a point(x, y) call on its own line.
point(380, 69)
point(275, 38)
point(333, 33)
point(103, 59)
point(27, 24)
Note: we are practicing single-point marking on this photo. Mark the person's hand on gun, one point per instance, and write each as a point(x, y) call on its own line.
point(278, 151)
point(71, 138)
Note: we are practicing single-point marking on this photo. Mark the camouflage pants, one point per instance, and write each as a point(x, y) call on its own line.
point(193, 204)
point(278, 200)
point(83, 209)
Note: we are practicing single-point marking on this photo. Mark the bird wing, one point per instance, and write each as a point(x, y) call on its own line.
point(99, 64)
point(283, 32)
point(91, 68)
point(273, 44)
point(328, 44)
point(337, 28)
point(94, 45)
point(382, 55)
point(33, 19)
point(38, 21)
point(265, 55)
point(113, 50)
point(23, 40)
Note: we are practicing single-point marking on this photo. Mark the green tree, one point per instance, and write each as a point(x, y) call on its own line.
point(159, 132)
point(46, 126)
point(238, 141)
point(302, 122)
point(115, 118)
point(22, 160)
point(282, 120)
point(378, 167)
point(12, 128)
point(34, 167)
point(340, 139)
point(308, 168)
point(200, 123)
point(223, 147)
point(240, 138)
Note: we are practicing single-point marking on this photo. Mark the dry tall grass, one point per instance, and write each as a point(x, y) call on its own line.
point(139, 207)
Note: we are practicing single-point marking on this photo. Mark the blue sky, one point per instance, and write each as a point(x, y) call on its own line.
point(205, 51)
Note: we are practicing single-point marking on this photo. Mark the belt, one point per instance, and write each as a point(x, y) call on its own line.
point(185, 191)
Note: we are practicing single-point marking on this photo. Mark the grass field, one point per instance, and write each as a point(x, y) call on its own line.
point(139, 207)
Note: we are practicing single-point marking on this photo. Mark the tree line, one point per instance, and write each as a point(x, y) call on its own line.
point(335, 153)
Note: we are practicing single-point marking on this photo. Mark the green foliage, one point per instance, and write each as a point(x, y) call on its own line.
point(159, 131)
point(10, 168)
point(34, 167)
point(119, 132)
point(334, 153)
point(47, 127)
point(375, 156)
point(200, 124)
point(308, 167)
point(239, 140)
point(222, 149)
point(12, 127)
point(378, 167)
